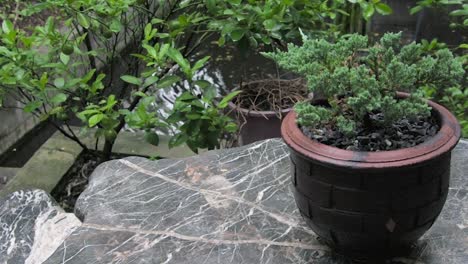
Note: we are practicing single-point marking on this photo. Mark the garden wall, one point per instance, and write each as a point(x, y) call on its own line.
point(14, 124)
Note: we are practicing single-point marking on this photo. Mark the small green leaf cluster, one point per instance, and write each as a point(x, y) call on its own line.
point(454, 98)
point(197, 116)
point(360, 79)
point(203, 122)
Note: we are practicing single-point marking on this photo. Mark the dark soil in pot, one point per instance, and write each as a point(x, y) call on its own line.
point(404, 133)
point(262, 105)
point(371, 203)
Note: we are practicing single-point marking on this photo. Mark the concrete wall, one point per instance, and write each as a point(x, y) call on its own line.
point(14, 123)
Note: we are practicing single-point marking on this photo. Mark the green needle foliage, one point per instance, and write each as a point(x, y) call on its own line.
point(360, 79)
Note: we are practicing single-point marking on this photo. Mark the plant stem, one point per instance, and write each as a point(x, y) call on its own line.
point(107, 150)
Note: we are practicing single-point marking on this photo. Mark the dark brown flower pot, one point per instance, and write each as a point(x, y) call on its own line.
point(371, 203)
point(258, 125)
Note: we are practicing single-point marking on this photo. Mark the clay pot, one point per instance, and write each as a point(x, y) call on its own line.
point(371, 203)
point(257, 125)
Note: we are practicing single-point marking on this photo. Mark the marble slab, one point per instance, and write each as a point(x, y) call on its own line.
point(32, 226)
point(226, 206)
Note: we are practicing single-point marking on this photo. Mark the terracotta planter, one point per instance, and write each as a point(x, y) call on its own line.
point(259, 125)
point(371, 202)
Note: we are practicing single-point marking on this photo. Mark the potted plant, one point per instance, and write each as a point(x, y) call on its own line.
point(262, 105)
point(370, 165)
point(254, 25)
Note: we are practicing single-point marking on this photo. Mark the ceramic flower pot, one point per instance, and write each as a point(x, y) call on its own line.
point(371, 202)
point(258, 125)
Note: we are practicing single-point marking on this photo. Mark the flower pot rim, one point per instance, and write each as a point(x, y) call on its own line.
point(444, 141)
point(254, 113)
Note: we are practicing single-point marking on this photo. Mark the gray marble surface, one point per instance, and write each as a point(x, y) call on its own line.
point(32, 226)
point(228, 206)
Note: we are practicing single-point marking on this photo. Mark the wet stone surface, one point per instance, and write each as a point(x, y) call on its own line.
point(228, 206)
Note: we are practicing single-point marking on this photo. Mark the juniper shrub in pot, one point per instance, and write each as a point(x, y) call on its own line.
point(370, 165)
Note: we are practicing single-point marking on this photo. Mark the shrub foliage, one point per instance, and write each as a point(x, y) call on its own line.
point(360, 79)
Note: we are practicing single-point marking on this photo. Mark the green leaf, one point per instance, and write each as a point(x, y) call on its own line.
point(221, 41)
point(115, 26)
point(59, 98)
point(131, 79)
point(368, 12)
point(150, 80)
point(193, 116)
point(177, 140)
point(228, 12)
point(168, 81)
point(203, 84)
point(43, 117)
point(157, 21)
point(460, 12)
point(43, 81)
point(238, 34)
point(29, 108)
point(235, 2)
point(7, 26)
point(176, 56)
point(151, 50)
point(110, 134)
point(209, 90)
point(383, 9)
point(200, 63)
point(231, 127)
point(59, 82)
point(82, 20)
point(152, 138)
point(271, 25)
point(95, 119)
point(253, 42)
point(227, 99)
point(64, 58)
point(211, 5)
point(186, 96)
point(56, 110)
point(415, 9)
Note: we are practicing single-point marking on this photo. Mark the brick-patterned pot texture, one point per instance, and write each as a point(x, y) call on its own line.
point(364, 203)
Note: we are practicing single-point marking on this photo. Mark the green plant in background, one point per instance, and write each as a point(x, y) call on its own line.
point(275, 22)
point(203, 123)
point(432, 46)
point(359, 79)
point(455, 98)
point(51, 68)
point(56, 70)
point(355, 14)
point(269, 22)
point(71, 67)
